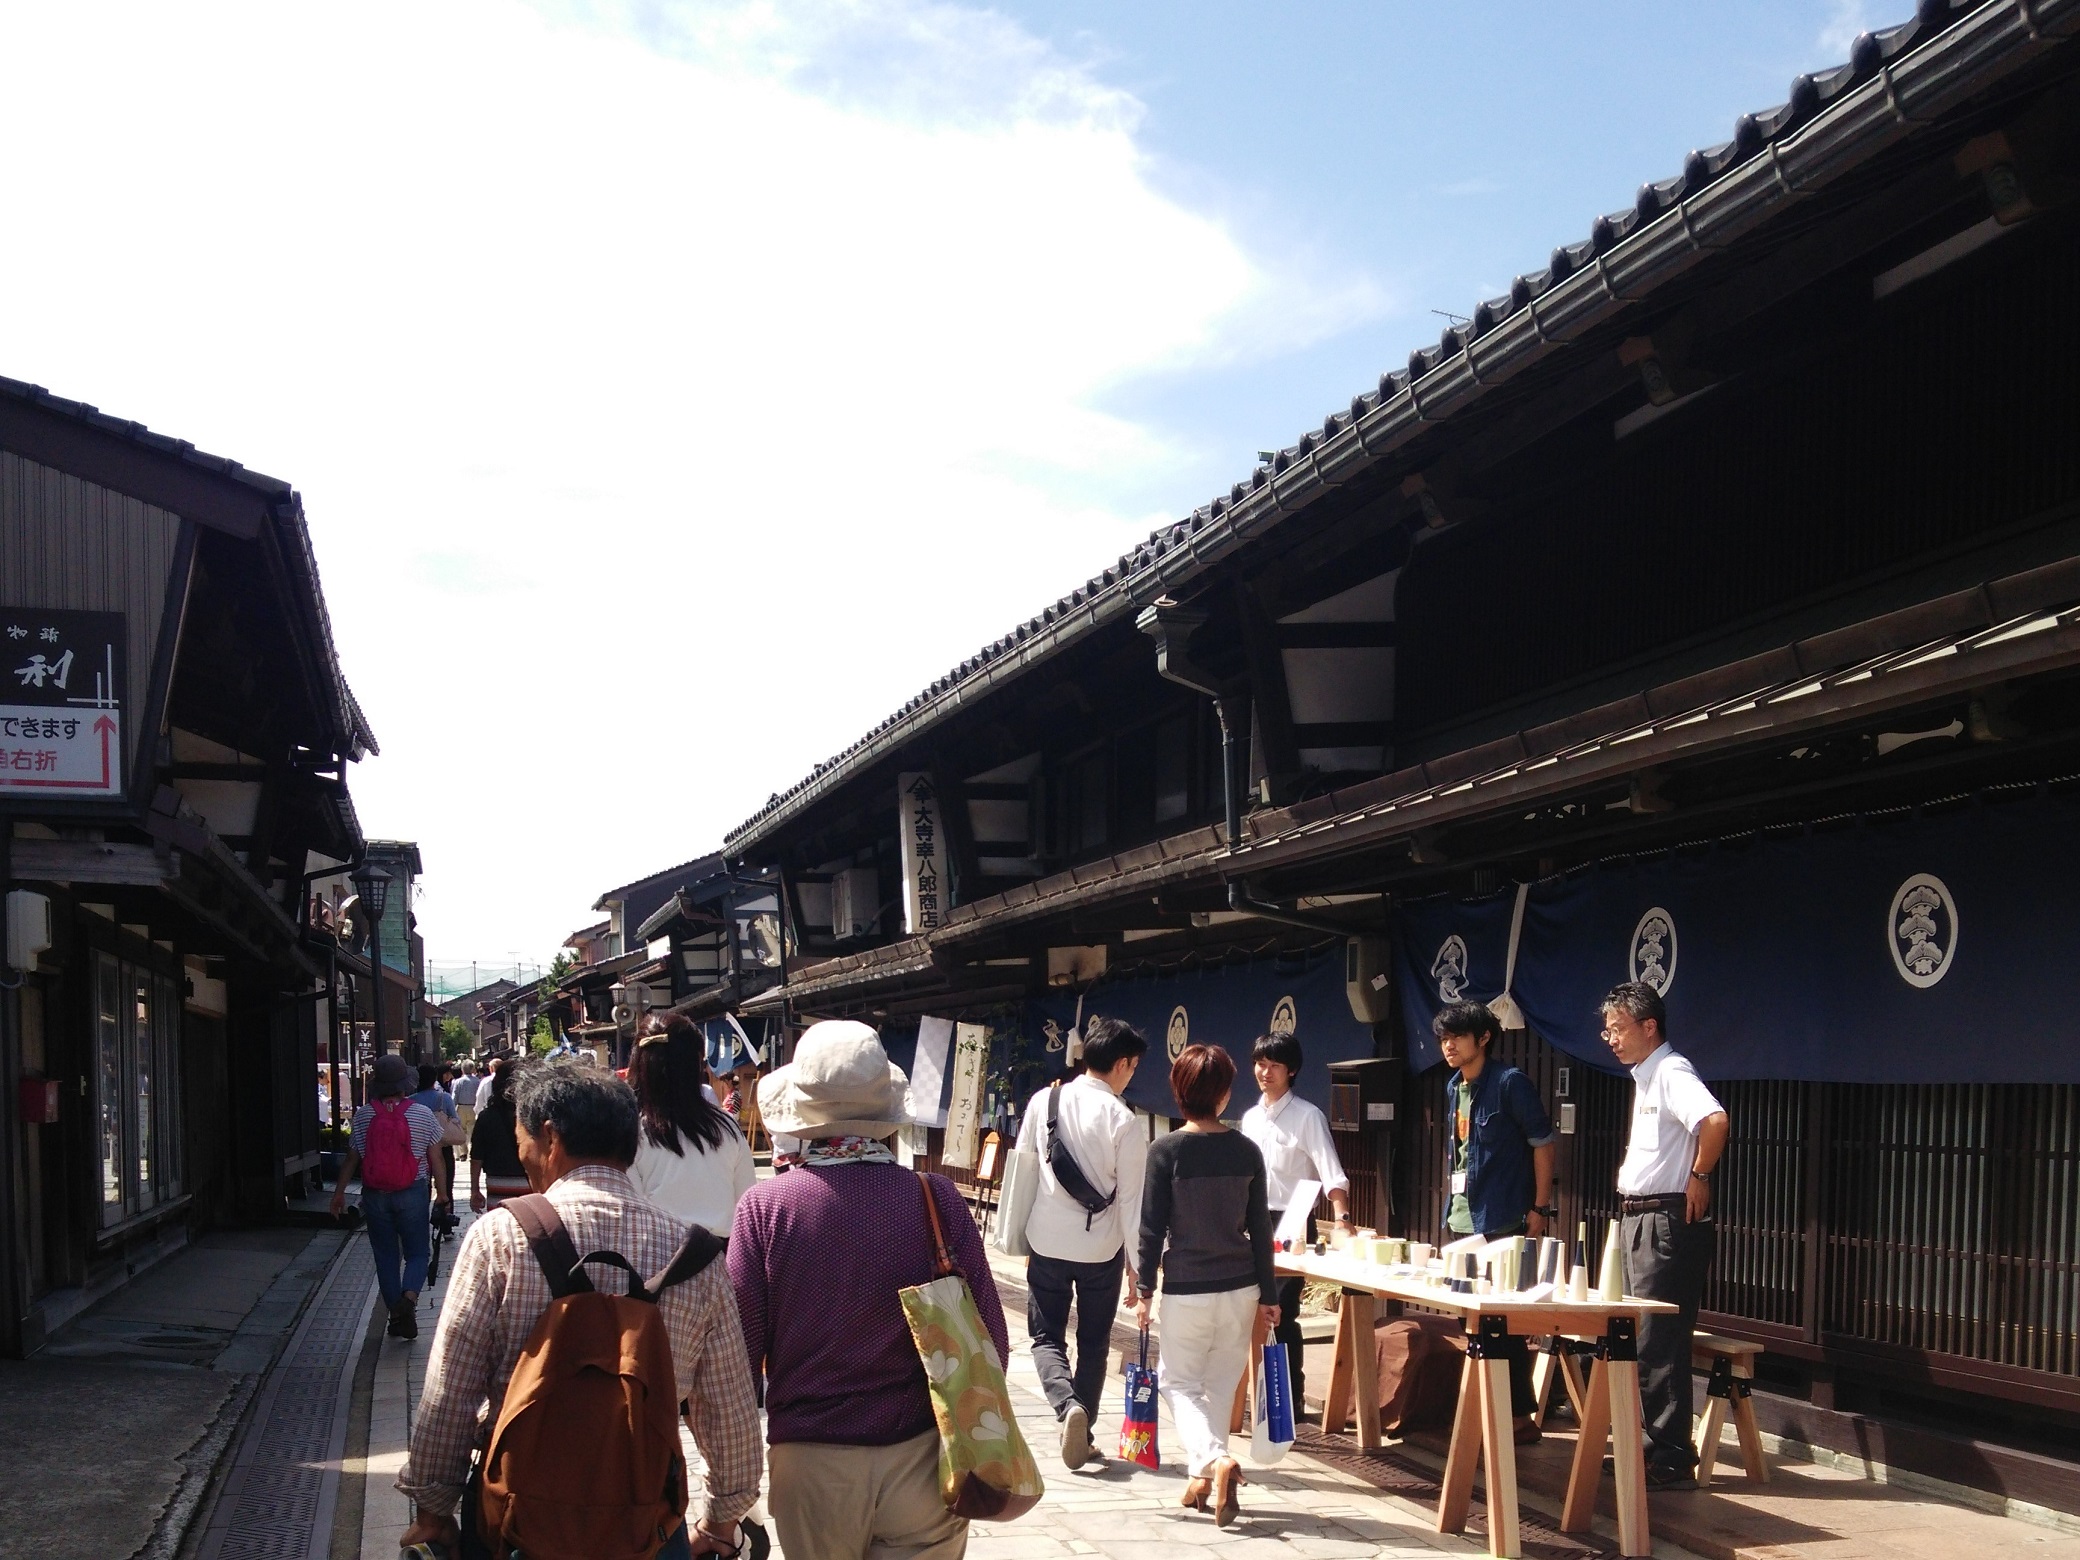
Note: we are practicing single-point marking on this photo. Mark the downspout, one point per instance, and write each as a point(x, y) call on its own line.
point(1170, 626)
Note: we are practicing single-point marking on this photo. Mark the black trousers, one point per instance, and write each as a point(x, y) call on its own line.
point(1288, 1330)
point(1051, 1286)
point(1666, 1258)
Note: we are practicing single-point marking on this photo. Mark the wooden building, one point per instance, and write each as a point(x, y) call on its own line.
point(1706, 610)
point(177, 734)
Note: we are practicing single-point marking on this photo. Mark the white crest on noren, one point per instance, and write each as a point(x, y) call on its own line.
point(1448, 969)
point(1653, 956)
point(1921, 929)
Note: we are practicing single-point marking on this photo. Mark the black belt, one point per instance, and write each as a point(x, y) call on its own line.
point(1631, 1205)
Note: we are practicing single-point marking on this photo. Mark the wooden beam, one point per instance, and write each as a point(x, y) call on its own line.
point(88, 861)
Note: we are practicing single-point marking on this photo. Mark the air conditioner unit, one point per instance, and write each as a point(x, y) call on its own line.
point(1365, 980)
point(28, 928)
point(855, 902)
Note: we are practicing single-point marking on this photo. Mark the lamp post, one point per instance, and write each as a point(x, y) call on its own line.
point(372, 883)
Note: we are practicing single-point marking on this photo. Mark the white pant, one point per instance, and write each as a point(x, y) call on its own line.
point(1205, 1350)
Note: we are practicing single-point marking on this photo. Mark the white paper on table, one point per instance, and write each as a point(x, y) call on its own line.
point(1292, 1224)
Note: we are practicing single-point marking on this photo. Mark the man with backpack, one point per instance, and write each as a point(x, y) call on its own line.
point(395, 1148)
point(520, 1436)
point(1093, 1155)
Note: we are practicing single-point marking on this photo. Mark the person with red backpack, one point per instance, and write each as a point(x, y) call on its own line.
point(396, 1150)
point(577, 1324)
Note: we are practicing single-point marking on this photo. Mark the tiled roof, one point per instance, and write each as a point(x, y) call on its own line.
point(1830, 121)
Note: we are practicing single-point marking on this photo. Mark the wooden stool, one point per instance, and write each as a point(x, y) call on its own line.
point(1732, 1367)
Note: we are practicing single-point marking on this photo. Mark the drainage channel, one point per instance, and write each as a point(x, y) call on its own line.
point(277, 1499)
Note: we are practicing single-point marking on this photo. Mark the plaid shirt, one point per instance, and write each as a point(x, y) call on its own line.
point(497, 1293)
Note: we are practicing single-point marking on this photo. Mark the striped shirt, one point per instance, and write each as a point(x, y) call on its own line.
point(425, 1129)
point(497, 1293)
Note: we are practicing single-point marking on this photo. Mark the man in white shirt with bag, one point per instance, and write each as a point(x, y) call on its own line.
point(1092, 1155)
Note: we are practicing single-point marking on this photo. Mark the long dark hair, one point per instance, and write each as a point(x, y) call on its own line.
point(667, 1072)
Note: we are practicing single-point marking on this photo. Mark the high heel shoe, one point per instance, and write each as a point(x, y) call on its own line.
point(1227, 1478)
point(1194, 1496)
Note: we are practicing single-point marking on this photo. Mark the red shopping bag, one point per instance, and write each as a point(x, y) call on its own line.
point(1137, 1430)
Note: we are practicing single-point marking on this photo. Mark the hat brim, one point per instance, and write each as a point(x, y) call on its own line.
point(786, 1110)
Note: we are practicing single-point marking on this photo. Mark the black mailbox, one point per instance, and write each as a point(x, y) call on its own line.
point(1365, 1098)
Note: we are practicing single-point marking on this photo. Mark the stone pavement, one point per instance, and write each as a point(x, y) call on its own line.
point(1307, 1508)
point(125, 1413)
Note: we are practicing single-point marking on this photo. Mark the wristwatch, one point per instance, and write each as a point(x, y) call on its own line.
point(1701, 1175)
point(1547, 1213)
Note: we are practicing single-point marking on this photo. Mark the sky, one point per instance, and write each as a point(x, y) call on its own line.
point(676, 388)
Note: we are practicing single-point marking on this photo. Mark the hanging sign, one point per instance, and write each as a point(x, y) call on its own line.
point(61, 715)
point(924, 885)
point(964, 1114)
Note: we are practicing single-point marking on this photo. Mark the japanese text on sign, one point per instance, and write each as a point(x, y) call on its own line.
point(924, 884)
point(61, 716)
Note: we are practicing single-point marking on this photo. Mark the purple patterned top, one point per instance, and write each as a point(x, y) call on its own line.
point(817, 1256)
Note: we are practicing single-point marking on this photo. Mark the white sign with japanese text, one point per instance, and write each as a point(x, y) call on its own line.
point(61, 716)
point(924, 885)
point(964, 1113)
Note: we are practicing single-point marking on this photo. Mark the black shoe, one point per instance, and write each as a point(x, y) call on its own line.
point(404, 1320)
point(1665, 1476)
point(757, 1542)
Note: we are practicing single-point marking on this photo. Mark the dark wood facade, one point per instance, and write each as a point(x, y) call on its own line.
point(1759, 508)
point(178, 1012)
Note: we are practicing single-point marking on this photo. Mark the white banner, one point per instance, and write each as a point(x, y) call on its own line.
point(924, 885)
point(928, 1071)
point(964, 1114)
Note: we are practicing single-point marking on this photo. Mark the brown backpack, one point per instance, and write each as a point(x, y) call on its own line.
point(584, 1460)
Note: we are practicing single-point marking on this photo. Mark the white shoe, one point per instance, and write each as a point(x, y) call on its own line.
point(1076, 1436)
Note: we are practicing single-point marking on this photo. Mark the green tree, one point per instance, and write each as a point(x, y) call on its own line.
point(456, 1040)
point(541, 1039)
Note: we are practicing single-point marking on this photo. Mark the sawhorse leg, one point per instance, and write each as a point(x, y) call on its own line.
point(1483, 1430)
point(1354, 1372)
point(1611, 1408)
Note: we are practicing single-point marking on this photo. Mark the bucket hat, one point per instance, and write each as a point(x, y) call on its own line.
point(840, 1084)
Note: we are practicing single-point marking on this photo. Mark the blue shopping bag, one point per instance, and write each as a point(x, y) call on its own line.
point(1137, 1429)
point(1271, 1400)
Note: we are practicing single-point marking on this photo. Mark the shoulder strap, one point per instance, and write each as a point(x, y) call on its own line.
point(1054, 1108)
point(942, 1257)
point(551, 1244)
point(701, 1247)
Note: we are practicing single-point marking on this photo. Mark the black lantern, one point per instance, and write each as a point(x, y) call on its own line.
point(372, 883)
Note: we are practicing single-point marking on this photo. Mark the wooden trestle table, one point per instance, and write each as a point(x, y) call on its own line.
point(1483, 1430)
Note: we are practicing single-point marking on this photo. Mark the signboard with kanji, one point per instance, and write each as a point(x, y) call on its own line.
point(925, 887)
point(61, 703)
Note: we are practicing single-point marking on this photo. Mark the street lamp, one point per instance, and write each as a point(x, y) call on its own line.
point(372, 883)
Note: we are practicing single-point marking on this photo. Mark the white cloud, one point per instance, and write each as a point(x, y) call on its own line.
point(673, 390)
point(1846, 21)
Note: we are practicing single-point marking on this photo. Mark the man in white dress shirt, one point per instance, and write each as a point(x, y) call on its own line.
point(1679, 1130)
point(1294, 1138)
point(1079, 1246)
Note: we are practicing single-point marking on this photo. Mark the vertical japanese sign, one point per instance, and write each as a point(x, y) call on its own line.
point(924, 885)
point(61, 715)
point(964, 1113)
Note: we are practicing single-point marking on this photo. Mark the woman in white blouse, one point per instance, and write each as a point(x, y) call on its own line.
point(690, 1158)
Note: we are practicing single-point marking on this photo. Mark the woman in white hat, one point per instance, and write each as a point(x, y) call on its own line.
point(817, 1257)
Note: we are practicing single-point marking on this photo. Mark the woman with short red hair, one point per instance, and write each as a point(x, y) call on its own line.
point(1206, 1226)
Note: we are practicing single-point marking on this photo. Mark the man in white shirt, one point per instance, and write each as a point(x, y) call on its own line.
point(1679, 1130)
point(466, 1088)
point(1078, 1250)
point(1297, 1146)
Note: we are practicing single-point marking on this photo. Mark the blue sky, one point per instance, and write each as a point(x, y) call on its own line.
point(1437, 149)
point(677, 386)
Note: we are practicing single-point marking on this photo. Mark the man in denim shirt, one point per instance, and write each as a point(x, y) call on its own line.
point(1501, 1160)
